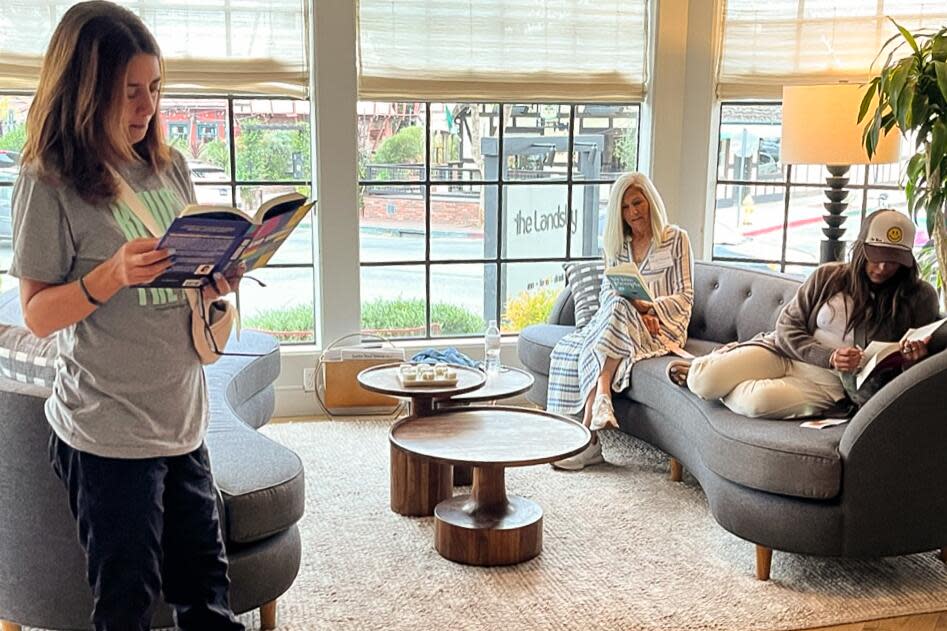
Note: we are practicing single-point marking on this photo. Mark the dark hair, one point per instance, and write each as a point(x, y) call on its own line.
point(873, 304)
point(73, 126)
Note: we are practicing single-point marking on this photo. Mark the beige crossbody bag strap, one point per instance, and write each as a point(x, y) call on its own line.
point(220, 327)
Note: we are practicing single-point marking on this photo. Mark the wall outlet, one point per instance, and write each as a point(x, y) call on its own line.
point(309, 379)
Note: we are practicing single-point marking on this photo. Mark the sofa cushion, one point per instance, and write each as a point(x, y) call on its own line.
point(27, 358)
point(768, 455)
point(262, 482)
point(536, 343)
point(585, 281)
point(23, 356)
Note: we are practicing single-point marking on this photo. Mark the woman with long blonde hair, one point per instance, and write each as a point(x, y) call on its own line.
point(590, 363)
point(128, 410)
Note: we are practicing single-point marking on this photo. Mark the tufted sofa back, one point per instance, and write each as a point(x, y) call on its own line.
point(730, 303)
point(734, 303)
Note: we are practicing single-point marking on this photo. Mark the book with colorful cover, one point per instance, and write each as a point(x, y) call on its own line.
point(627, 281)
point(210, 239)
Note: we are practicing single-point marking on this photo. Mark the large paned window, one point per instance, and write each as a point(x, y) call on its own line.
point(770, 215)
point(13, 110)
point(489, 133)
point(234, 103)
point(240, 151)
point(467, 211)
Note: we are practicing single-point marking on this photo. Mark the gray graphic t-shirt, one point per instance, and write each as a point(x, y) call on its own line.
point(128, 381)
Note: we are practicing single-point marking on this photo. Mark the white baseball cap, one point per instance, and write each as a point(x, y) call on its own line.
point(888, 236)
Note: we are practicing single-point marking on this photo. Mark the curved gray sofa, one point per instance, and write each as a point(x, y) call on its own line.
point(261, 489)
point(870, 488)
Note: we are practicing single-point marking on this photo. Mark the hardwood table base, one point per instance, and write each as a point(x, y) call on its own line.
point(463, 475)
point(487, 527)
point(418, 484)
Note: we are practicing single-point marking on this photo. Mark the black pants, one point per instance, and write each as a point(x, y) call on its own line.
point(148, 526)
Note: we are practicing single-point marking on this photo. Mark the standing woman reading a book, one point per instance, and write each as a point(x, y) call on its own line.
point(800, 368)
point(590, 363)
point(128, 408)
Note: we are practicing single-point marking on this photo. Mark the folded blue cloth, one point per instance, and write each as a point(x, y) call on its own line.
point(449, 355)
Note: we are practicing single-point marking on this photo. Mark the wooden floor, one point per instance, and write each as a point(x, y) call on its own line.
point(923, 622)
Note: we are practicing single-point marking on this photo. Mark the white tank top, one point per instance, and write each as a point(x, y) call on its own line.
point(832, 320)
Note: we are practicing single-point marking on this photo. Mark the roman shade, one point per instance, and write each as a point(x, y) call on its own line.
point(209, 47)
point(766, 45)
point(508, 50)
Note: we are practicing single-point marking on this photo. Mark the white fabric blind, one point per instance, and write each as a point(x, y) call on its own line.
point(209, 46)
point(536, 50)
point(771, 43)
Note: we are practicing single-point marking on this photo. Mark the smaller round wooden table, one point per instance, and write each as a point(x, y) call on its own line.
point(509, 382)
point(488, 527)
point(418, 484)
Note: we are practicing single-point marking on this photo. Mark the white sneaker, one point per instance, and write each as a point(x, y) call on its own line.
point(591, 456)
point(603, 414)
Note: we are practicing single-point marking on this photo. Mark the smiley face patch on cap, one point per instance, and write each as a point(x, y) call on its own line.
point(888, 236)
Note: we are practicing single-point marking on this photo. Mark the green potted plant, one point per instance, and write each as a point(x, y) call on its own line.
point(912, 95)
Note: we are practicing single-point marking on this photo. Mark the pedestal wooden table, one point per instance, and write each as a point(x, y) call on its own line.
point(509, 382)
point(418, 484)
point(488, 527)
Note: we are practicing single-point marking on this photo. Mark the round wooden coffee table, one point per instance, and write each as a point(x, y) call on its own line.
point(418, 484)
point(509, 382)
point(488, 527)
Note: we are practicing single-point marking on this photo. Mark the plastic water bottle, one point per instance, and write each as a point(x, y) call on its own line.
point(491, 349)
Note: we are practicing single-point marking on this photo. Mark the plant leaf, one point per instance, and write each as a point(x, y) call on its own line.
point(906, 35)
point(896, 82)
point(920, 109)
point(940, 68)
point(915, 164)
point(866, 100)
point(905, 105)
point(939, 45)
point(938, 145)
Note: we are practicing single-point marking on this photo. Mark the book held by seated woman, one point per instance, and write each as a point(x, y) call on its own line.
point(625, 278)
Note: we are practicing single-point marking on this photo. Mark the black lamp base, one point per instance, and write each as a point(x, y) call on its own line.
point(832, 247)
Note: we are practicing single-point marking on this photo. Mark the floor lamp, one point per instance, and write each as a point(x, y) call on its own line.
point(820, 127)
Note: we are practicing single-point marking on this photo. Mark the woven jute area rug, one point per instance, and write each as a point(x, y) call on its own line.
point(624, 548)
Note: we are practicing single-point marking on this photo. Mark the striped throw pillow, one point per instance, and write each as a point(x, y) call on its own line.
point(585, 281)
point(27, 358)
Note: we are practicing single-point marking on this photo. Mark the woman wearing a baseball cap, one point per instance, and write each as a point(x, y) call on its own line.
point(798, 369)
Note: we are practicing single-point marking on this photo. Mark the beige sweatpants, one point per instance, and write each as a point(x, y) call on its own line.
point(756, 382)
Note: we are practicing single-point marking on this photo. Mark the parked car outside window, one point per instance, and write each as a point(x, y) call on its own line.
point(203, 173)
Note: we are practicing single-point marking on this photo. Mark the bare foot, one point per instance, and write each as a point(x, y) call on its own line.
point(677, 372)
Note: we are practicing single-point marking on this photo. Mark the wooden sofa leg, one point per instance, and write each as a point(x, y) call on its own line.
point(268, 616)
point(677, 470)
point(8, 626)
point(764, 559)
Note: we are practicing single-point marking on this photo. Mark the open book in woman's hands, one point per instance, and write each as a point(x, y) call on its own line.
point(211, 239)
point(879, 356)
point(627, 281)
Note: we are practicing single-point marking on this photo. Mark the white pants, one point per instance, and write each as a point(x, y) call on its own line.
point(756, 382)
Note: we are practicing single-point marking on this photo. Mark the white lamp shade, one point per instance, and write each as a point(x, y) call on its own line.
point(820, 127)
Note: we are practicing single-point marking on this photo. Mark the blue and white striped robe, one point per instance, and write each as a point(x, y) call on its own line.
point(617, 329)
